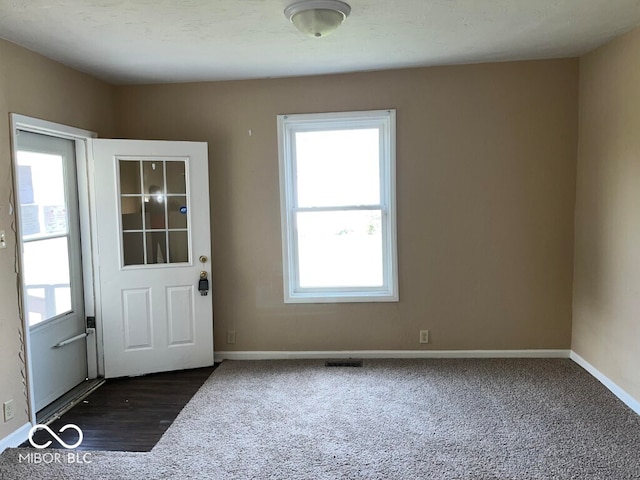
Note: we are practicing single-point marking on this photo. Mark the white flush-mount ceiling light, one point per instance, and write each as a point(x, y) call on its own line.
point(317, 18)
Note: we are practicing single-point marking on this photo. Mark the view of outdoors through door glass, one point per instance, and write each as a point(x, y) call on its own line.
point(154, 211)
point(45, 235)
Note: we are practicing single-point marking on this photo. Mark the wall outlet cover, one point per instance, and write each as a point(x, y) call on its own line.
point(9, 410)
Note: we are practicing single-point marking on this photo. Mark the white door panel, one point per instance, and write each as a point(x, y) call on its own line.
point(152, 204)
point(57, 370)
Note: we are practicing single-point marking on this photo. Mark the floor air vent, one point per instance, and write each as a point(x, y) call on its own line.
point(343, 363)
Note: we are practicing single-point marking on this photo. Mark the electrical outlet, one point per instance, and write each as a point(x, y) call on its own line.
point(3, 239)
point(9, 410)
point(231, 336)
point(424, 336)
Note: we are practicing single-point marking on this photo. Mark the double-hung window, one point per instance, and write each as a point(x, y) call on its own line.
point(337, 191)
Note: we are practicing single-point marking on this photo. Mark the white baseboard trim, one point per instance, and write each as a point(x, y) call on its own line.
point(631, 402)
point(297, 355)
point(16, 438)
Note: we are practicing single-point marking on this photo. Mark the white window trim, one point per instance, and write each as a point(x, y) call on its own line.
point(288, 125)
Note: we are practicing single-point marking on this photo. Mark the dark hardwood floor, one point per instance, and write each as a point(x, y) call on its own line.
point(127, 414)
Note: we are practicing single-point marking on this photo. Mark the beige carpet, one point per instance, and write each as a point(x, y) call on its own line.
point(391, 419)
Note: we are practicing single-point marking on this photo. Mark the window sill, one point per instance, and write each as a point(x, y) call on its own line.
point(351, 297)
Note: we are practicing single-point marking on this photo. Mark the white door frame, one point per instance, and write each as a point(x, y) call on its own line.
point(86, 183)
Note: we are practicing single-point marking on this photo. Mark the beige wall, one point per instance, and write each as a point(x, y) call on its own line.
point(34, 86)
point(486, 190)
point(606, 301)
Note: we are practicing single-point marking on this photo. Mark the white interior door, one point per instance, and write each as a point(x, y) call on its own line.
point(51, 265)
point(153, 237)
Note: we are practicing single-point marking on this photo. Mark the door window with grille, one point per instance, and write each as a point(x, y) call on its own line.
point(154, 211)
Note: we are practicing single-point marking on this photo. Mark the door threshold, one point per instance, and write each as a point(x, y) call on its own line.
point(66, 402)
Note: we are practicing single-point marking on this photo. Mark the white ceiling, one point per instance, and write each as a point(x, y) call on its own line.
point(153, 41)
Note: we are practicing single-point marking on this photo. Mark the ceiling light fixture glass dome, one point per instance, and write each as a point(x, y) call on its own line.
point(317, 18)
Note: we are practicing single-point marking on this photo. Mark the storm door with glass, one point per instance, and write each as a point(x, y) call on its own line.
point(51, 270)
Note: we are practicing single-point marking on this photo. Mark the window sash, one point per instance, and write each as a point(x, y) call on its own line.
point(334, 288)
point(336, 128)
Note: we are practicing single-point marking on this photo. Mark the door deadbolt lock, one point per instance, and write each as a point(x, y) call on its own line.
point(203, 283)
point(203, 259)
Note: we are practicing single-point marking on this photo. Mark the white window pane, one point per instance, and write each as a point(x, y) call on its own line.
point(340, 249)
point(338, 168)
point(46, 278)
point(42, 196)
